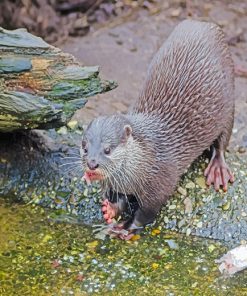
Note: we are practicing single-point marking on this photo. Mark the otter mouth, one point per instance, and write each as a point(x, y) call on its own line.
point(92, 175)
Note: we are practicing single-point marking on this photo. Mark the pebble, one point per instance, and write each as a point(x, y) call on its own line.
point(188, 205)
point(176, 12)
point(199, 224)
point(201, 182)
point(182, 190)
point(188, 231)
point(172, 207)
point(226, 206)
point(241, 149)
point(190, 185)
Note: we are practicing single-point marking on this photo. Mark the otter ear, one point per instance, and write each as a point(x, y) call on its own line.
point(127, 132)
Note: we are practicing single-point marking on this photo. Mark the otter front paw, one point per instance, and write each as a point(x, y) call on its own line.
point(119, 230)
point(109, 211)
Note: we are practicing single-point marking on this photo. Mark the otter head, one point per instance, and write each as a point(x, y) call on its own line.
point(104, 146)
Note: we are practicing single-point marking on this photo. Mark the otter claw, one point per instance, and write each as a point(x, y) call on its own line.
point(117, 230)
point(218, 173)
point(126, 237)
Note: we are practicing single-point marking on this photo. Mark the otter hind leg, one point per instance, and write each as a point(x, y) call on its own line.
point(217, 171)
point(144, 215)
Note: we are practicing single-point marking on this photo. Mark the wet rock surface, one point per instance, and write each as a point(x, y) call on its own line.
point(44, 168)
point(198, 210)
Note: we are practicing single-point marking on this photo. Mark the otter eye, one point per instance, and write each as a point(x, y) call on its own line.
point(107, 150)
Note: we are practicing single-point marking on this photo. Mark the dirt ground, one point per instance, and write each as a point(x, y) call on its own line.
point(123, 49)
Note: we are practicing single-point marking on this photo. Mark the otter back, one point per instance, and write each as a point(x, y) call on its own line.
point(190, 87)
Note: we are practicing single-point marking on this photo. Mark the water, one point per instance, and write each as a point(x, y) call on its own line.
point(41, 257)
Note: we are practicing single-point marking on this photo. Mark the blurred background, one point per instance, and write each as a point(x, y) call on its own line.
point(122, 37)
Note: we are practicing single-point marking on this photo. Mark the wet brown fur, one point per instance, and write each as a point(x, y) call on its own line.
point(186, 105)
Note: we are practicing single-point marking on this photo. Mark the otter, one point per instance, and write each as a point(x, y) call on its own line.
point(186, 106)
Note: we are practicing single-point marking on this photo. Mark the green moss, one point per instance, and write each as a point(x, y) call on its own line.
point(41, 87)
point(41, 257)
point(69, 89)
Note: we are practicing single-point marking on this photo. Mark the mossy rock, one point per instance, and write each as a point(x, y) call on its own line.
point(40, 86)
point(198, 210)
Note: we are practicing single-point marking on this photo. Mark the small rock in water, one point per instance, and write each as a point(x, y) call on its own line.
point(172, 207)
point(188, 231)
point(199, 224)
point(226, 206)
point(171, 243)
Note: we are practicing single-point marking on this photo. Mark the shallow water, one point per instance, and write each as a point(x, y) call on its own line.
point(41, 257)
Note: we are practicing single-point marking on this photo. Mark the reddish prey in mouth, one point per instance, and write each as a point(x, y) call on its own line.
point(92, 175)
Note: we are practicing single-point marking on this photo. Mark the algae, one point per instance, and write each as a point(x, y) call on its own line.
point(39, 256)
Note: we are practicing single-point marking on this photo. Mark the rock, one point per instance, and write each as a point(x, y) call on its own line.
point(188, 205)
point(40, 86)
point(190, 185)
point(182, 191)
point(201, 182)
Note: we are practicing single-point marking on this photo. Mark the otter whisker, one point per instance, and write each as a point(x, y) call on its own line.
point(127, 200)
point(75, 162)
point(130, 185)
point(73, 153)
point(122, 188)
point(114, 185)
point(69, 169)
point(71, 157)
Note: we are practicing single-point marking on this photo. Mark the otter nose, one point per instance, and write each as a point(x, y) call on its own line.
point(92, 164)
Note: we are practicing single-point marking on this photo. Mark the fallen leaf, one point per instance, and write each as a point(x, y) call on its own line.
point(155, 265)
point(155, 231)
point(135, 237)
